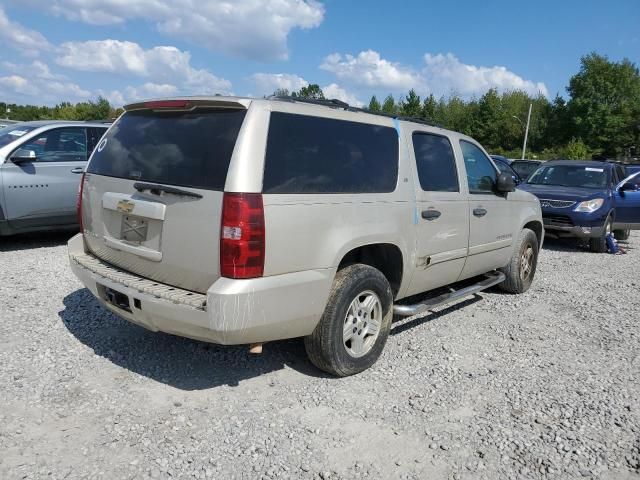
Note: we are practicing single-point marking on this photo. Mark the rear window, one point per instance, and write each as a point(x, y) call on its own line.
point(435, 162)
point(190, 149)
point(319, 155)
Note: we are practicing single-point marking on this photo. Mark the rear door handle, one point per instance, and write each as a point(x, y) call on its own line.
point(430, 214)
point(77, 170)
point(479, 212)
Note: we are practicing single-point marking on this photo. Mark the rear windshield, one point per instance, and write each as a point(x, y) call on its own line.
point(570, 176)
point(190, 149)
point(13, 132)
point(308, 154)
point(524, 169)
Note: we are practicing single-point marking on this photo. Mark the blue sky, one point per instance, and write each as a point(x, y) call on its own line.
point(57, 50)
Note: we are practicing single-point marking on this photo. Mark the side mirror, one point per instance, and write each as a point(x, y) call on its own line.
point(22, 155)
point(505, 183)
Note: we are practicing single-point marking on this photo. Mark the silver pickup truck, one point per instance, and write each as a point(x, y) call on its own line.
point(241, 221)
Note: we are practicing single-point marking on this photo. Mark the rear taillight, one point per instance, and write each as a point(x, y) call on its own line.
point(242, 236)
point(79, 203)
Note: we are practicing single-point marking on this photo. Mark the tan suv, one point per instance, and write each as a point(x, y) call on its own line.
point(241, 221)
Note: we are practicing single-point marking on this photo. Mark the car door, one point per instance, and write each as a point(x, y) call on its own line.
point(442, 215)
point(491, 221)
point(43, 192)
point(627, 203)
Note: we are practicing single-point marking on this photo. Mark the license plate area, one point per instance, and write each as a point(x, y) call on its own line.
point(134, 229)
point(117, 299)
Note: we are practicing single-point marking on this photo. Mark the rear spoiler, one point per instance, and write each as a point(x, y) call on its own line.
point(188, 104)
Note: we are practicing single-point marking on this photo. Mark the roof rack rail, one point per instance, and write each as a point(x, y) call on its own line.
point(314, 101)
point(335, 103)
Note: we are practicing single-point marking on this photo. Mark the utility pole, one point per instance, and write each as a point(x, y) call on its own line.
point(526, 132)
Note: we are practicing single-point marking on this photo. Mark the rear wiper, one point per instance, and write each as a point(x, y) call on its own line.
point(156, 189)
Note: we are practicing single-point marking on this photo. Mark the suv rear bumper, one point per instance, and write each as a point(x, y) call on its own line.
point(231, 312)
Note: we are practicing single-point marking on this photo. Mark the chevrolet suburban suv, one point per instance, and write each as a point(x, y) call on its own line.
point(242, 221)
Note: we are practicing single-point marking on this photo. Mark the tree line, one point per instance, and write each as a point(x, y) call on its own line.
point(600, 119)
point(90, 110)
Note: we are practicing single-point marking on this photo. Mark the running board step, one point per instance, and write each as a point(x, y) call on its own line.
point(411, 310)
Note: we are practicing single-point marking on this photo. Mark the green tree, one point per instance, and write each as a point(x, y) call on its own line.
point(312, 91)
point(488, 123)
point(389, 105)
point(605, 104)
point(411, 106)
point(559, 125)
point(374, 105)
point(575, 150)
point(429, 108)
point(281, 92)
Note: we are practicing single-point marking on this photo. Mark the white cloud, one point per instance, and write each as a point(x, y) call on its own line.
point(334, 91)
point(267, 83)
point(445, 74)
point(369, 69)
point(40, 86)
point(27, 42)
point(255, 29)
point(164, 65)
point(132, 94)
point(440, 75)
point(17, 84)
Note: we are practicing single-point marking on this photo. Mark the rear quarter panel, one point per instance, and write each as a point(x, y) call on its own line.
point(315, 231)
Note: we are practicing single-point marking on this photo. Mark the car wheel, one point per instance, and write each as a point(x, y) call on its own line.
point(355, 324)
point(622, 234)
point(599, 244)
point(522, 266)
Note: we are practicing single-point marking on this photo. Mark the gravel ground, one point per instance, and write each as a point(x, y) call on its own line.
point(542, 385)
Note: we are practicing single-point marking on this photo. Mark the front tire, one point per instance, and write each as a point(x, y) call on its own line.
point(522, 267)
point(599, 244)
point(355, 325)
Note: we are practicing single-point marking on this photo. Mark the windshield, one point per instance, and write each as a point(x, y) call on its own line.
point(524, 169)
point(13, 132)
point(570, 176)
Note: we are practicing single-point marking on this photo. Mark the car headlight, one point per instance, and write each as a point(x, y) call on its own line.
point(589, 206)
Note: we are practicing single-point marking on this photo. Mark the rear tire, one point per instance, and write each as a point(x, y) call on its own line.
point(622, 234)
point(599, 244)
point(355, 325)
point(522, 266)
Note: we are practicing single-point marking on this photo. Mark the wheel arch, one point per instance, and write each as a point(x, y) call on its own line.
point(386, 257)
point(537, 227)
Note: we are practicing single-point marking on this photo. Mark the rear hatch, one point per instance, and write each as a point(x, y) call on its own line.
point(153, 191)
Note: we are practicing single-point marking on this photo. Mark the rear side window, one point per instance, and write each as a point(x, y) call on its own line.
point(190, 149)
point(319, 155)
point(436, 163)
point(481, 174)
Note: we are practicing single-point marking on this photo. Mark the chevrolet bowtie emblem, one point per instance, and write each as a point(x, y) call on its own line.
point(125, 206)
